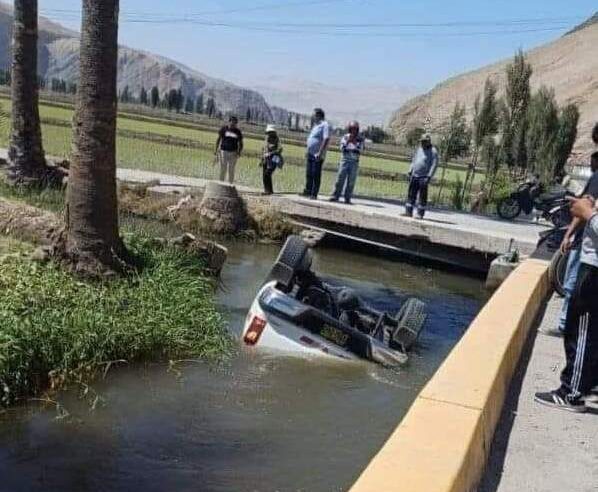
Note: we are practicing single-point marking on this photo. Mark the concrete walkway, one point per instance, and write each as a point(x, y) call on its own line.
point(536, 448)
point(380, 220)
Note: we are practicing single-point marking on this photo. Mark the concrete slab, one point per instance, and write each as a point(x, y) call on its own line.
point(536, 448)
point(465, 240)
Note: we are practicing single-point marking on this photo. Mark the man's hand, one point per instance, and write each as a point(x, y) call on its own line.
point(317, 156)
point(582, 208)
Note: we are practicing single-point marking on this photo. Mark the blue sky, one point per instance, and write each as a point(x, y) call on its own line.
point(421, 57)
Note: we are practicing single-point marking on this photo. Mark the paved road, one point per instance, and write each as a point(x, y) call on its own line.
point(536, 448)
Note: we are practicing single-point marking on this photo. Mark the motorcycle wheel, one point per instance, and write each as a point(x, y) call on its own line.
point(557, 271)
point(508, 208)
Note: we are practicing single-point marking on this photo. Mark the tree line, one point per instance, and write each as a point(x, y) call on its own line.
point(521, 132)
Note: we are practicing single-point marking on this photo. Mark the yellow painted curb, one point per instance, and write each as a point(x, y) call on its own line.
point(443, 442)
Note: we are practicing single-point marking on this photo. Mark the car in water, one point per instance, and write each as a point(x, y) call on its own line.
point(298, 313)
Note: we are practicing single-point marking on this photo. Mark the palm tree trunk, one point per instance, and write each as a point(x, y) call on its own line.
point(93, 238)
point(26, 153)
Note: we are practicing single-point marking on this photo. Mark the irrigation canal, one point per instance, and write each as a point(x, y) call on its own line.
point(254, 423)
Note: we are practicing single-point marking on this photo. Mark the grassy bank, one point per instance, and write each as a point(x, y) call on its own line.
point(56, 330)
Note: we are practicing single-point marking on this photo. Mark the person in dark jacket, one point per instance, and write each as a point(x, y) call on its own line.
point(271, 158)
point(229, 147)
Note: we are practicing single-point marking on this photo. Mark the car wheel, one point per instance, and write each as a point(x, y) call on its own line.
point(411, 318)
point(293, 257)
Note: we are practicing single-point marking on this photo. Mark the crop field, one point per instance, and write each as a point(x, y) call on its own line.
point(159, 145)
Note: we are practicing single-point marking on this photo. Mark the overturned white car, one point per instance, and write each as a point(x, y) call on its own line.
point(297, 313)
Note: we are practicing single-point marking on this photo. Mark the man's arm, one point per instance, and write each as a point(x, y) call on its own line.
point(575, 224)
point(434, 166)
point(325, 142)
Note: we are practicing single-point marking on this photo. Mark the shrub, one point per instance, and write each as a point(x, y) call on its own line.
point(56, 329)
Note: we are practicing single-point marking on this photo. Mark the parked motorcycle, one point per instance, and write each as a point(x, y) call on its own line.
point(530, 196)
point(551, 241)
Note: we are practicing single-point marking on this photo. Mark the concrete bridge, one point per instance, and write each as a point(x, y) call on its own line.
point(460, 240)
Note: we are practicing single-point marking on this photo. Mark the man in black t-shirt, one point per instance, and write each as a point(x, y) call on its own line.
point(228, 148)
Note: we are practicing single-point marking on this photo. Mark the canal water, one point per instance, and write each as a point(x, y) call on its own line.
point(258, 422)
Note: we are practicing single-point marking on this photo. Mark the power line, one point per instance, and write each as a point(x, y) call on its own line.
point(271, 6)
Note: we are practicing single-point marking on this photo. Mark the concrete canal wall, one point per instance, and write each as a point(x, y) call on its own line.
point(443, 442)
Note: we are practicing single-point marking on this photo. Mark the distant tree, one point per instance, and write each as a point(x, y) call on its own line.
point(211, 108)
point(125, 95)
point(189, 105)
point(290, 120)
point(485, 123)
point(413, 136)
point(171, 99)
point(375, 134)
point(297, 122)
point(543, 125)
point(155, 97)
point(143, 99)
point(514, 124)
point(199, 108)
point(72, 88)
point(566, 137)
point(454, 142)
point(179, 100)
point(248, 115)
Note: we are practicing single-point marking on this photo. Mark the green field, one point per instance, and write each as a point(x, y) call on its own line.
point(176, 158)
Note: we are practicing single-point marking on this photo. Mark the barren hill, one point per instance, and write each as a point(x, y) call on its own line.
point(568, 64)
point(59, 58)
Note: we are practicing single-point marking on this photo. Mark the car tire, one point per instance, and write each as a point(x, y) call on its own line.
point(557, 271)
point(291, 259)
point(508, 208)
point(411, 319)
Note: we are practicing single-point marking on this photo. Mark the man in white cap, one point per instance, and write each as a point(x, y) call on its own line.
point(422, 170)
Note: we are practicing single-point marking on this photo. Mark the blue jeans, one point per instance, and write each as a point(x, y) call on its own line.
point(313, 176)
point(569, 284)
point(347, 176)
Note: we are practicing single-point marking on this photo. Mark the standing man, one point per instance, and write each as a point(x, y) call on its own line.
point(317, 144)
point(422, 170)
point(229, 147)
point(572, 243)
point(352, 146)
point(581, 330)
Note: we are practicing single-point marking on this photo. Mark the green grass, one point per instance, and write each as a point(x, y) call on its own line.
point(176, 159)
point(57, 330)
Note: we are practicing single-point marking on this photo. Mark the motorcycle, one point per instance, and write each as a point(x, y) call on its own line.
point(530, 196)
point(551, 242)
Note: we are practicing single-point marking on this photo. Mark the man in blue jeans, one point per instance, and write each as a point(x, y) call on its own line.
point(422, 170)
point(317, 144)
point(572, 242)
point(352, 146)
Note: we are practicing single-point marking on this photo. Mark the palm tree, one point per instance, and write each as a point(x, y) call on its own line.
point(93, 240)
point(26, 153)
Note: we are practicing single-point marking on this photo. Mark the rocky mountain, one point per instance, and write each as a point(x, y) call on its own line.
point(568, 64)
point(59, 58)
point(369, 104)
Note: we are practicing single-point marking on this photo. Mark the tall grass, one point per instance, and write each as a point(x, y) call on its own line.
point(56, 329)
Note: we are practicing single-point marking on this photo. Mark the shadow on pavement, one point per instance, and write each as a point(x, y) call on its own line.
point(493, 473)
